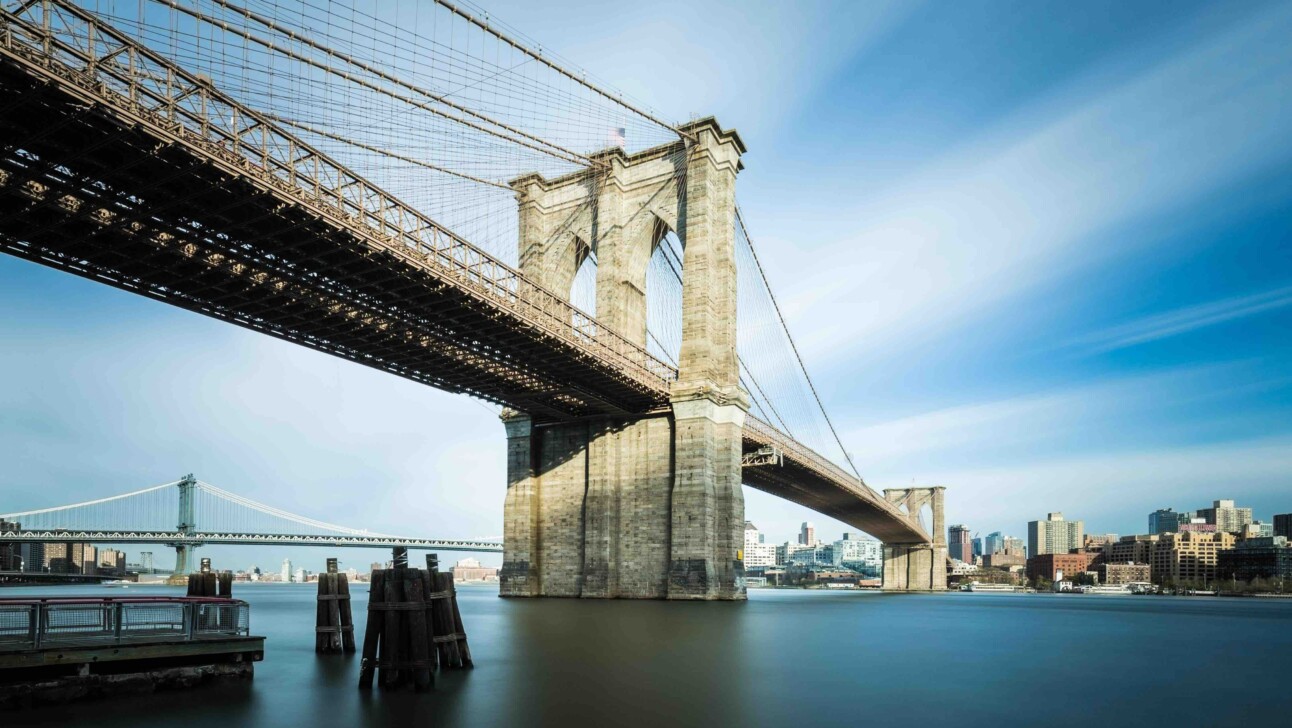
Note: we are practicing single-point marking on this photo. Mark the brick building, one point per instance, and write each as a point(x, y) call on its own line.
point(1047, 566)
point(1123, 573)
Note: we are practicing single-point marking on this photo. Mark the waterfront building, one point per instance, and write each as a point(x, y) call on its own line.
point(302, 576)
point(784, 552)
point(471, 570)
point(1257, 529)
point(146, 562)
point(1123, 573)
point(10, 556)
point(1225, 516)
point(818, 555)
point(1015, 545)
point(1049, 565)
point(1054, 535)
point(959, 545)
point(1166, 520)
point(859, 553)
point(32, 556)
point(757, 554)
point(1256, 558)
point(1188, 556)
point(1132, 549)
point(995, 542)
point(286, 574)
point(977, 548)
point(1283, 525)
point(1004, 560)
point(807, 534)
point(112, 561)
point(69, 558)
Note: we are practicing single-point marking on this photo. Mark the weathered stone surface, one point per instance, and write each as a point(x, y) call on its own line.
point(646, 507)
point(923, 566)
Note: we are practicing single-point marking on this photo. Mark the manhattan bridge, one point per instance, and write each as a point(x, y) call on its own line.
point(422, 190)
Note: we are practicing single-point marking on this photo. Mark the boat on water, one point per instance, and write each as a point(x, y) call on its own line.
point(123, 583)
point(1105, 589)
point(978, 587)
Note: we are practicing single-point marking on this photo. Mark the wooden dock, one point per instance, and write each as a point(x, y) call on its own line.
point(54, 650)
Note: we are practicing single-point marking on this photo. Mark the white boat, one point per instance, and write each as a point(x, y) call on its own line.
point(977, 587)
point(1106, 589)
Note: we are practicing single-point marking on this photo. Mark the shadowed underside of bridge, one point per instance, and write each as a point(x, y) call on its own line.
point(118, 166)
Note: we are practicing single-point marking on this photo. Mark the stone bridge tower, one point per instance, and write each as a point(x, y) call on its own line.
point(648, 506)
point(917, 566)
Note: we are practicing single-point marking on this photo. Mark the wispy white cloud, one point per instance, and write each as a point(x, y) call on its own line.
point(1083, 417)
point(1183, 320)
point(1027, 201)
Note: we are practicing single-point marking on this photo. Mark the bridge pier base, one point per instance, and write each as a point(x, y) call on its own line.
point(609, 508)
point(917, 566)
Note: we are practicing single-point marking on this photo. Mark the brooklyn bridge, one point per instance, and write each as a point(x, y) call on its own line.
point(451, 205)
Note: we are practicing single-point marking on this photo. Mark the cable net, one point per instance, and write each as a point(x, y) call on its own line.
point(422, 99)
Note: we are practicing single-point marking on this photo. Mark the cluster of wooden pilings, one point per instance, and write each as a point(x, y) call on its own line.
point(413, 626)
point(334, 624)
point(208, 583)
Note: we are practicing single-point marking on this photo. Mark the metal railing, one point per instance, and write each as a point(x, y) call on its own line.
point(95, 622)
point(77, 49)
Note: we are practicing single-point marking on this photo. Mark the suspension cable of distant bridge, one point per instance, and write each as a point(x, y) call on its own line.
point(95, 502)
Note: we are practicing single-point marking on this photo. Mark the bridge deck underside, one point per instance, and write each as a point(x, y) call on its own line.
point(87, 189)
point(184, 230)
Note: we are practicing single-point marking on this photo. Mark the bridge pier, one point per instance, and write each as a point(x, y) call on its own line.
point(917, 566)
point(646, 507)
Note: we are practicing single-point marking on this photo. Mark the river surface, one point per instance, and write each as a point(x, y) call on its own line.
point(784, 658)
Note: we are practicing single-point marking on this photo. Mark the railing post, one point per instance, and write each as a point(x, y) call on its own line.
point(33, 626)
point(119, 612)
point(190, 616)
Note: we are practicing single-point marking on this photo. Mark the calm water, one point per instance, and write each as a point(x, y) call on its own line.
point(784, 658)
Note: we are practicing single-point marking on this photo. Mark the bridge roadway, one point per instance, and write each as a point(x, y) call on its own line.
point(120, 167)
point(249, 539)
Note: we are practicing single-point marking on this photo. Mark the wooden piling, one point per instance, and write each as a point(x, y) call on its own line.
point(333, 628)
point(459, 630)
point(413, 625)
point(347, 618)
point(391, 638)
point(372, 629)
point(419, 637)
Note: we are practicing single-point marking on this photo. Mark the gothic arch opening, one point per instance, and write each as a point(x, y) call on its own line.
point(664, 294)
point(583, 289)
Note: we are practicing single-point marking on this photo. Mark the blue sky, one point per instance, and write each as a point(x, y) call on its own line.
point(1038, 253)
